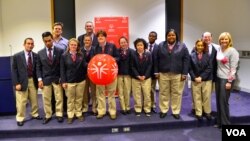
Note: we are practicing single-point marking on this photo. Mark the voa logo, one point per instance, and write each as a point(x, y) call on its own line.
point(236, 132)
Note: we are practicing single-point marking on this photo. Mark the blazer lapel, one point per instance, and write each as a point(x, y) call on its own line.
point(33, 60)
point(24, 59)
point(54, 55)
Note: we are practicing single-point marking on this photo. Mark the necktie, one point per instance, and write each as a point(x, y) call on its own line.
point(50, 56)
point(73, 56)
point(150, 47)
point(30, 65)
point(87, 53)
point(103, 49)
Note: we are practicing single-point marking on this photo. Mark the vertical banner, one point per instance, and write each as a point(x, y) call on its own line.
point(114, 26)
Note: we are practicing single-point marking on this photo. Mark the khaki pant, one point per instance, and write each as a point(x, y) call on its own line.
point(124, 91)
point(212, 90)
point(47, 94)
point(153, 93)
point(140, 88)
point(89, 91)
point(74, 93)
point(201, 93)
point(22, 98)
point(171, 89)
point(101, 98)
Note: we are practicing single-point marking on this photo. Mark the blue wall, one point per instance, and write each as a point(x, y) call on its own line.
point(7, 97)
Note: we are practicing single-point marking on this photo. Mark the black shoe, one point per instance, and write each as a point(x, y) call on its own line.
point(46, 120)
point(163, 115)
point(94, 113)
point(128, 112)
point(199, 118)
point(208, 116)
point(37, 118)
point(123, 112)
point(20, 123)
point(176, 116)
point(153, 110)
point(59, 119)
point(193, 112)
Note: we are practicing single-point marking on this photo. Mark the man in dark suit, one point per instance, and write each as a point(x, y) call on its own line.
point(89, 27)
point(152, 46)
point(25, 81)
point(212, 52)
point(48, 74)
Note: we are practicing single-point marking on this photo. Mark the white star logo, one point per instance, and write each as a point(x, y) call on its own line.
point(99, 69)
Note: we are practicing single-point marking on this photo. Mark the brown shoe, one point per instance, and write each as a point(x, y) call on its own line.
point(81, 118)
point(70, 120)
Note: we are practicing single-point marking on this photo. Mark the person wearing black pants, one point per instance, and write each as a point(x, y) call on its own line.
point(227, 59)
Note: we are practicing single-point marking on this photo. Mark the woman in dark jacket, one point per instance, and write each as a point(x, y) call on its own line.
point(73, 74)
point(171, 63)
point(141, 81)
point(201, 76)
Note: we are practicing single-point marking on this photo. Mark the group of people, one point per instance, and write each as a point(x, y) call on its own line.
point(60, 71)
point(213, 65)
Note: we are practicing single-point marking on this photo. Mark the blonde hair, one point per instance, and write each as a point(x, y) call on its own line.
point(78, 50)
point(226, 34)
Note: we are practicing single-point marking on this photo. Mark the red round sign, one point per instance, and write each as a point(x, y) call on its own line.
point(102, 69)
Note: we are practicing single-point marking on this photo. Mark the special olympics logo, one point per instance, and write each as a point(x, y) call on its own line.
point(102, 69)
point(99, 69)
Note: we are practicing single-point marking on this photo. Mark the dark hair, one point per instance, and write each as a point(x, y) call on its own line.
point(141, 40)
point(154, 33)
point(47, 34)
point(101, 32)
point(25, 40)
point(175, 32)
point(205, 50)
point(122, 37)
point(58, 23)
point(86, 35)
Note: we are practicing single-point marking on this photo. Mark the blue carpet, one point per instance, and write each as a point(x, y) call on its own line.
point(239, 109)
